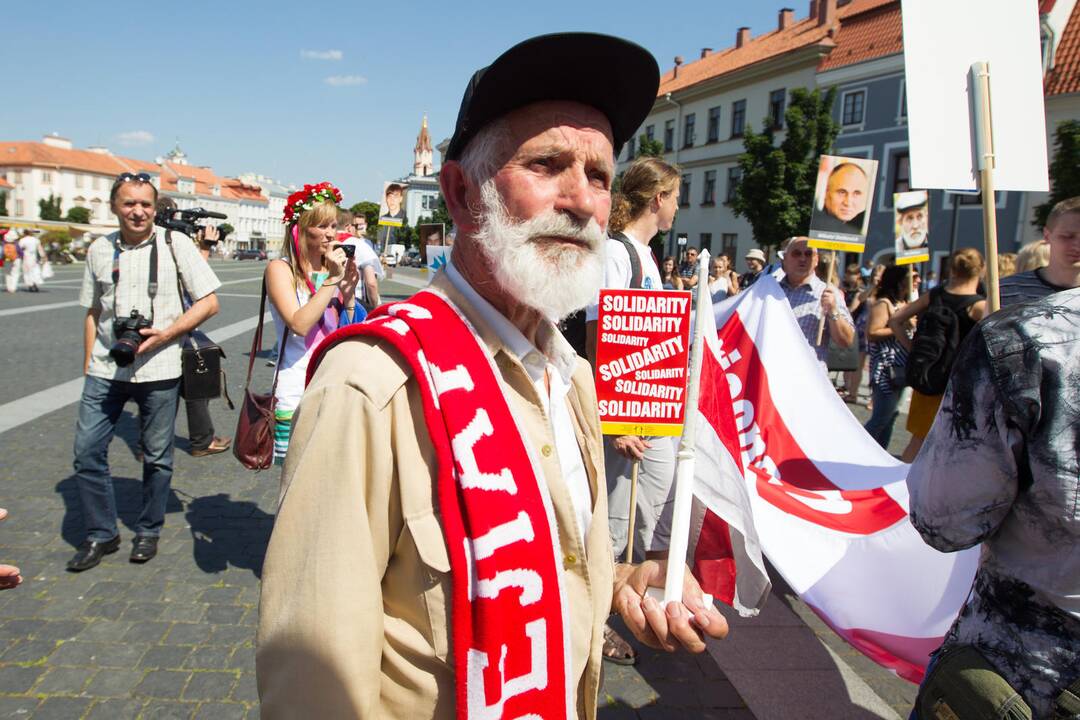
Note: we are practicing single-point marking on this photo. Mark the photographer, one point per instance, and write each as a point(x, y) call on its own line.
point(200, 424)
point(134, 323)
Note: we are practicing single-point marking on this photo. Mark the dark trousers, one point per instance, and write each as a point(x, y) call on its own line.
point(99, 409)
point(200, 425)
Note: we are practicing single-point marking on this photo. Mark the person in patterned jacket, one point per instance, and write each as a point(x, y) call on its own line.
point(1001, 467)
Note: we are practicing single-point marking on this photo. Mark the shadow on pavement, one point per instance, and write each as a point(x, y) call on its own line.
point(128, 493)
point(228, 532)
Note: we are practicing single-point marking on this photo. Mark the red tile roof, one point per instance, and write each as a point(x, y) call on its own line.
point(1065, 77)
point(801, 34)
point(867, 32)
point(5, 184)
point(36, 154)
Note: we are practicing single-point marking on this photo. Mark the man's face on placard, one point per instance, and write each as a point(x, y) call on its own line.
point(845, 194)
point(393, 201)
point(913, 227)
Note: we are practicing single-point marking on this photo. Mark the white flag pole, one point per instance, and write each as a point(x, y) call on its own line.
point(684, 468)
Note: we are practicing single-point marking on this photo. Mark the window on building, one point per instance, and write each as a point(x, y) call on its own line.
point(80, 179)
point(734, 176)
point(729, 246)
point(705, 241)
point(714, 125)
point(738, 118)
point(854, 105)
point(669, 136)
point(901, 174)
point(18, 178)
point(688, 130)
point(46, 177)
point(708, 197)
point(777, 103)
point(19, 208)
point(99, 182)
point(684, 191)
point(902, 115)
point(650, 132)
point(630, 148)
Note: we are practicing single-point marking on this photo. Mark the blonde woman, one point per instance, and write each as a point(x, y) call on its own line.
point(723, 283)
point(311, 289)
point(1032, 256)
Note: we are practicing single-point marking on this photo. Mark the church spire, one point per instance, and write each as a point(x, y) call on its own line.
point(422, 153)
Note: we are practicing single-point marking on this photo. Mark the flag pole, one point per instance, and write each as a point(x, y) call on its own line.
point(684, 468)
point(633, 512)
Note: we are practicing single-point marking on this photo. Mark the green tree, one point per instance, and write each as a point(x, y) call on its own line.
point(651, 148)
point(49, 209)
point(60, 237)
point(370, 211)
point(1064, 169)
point(226, 229)
point(3, 203)
point(776, 190)
point(79, 215)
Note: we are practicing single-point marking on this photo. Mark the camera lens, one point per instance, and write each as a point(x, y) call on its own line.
point(123, 351)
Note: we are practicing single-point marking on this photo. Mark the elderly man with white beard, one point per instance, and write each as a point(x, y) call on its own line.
point(441, 548)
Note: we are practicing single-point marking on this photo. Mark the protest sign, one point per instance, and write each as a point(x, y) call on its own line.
point(391, 212)
point(643, 345)
point(940, 92)
point(911, 225)
point(430, 234)
point(437, 257)
point(844, 190)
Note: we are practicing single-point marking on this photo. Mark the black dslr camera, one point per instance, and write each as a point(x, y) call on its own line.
point(185, 221)
point(128, 337)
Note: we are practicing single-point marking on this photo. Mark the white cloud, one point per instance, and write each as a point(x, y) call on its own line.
point(345, 80)
point(322, 54)
point(135, 137)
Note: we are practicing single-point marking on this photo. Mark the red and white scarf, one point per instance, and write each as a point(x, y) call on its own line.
point(509, 629)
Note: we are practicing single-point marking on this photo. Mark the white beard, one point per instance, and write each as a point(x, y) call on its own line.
point(553, 281)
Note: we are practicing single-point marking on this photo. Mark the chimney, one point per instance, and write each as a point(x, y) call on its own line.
point(706, 52)
point(827, 13)
point(787, 19)
point(54, 140)
point(742, 37)
point(813, 9)
point(678, 62)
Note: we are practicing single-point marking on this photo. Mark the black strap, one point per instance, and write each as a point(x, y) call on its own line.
point(1067, 704)
point(635, 260)
point(151, 287)
point(256, 343)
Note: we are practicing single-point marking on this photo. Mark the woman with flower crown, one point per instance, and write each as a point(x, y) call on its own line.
point(311, 291)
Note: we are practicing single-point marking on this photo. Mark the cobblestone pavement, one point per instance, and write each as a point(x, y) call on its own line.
point(174, 638)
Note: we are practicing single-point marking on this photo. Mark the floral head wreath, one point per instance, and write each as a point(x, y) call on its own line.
point(311, 195)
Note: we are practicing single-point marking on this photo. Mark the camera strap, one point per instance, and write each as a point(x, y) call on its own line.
point(151, 287)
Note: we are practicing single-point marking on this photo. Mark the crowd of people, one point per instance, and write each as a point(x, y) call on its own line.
point(474, 512)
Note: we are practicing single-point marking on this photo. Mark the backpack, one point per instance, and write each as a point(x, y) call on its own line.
point(11, 251)
point(573, 325)
point(935, 345)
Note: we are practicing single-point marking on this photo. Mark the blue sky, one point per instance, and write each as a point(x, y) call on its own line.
point(301, 91)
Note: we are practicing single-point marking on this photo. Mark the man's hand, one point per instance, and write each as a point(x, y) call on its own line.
point(9, 574)
point(631, 446)
point(155, 338)
point(684, 624)
point(828, 301)
point(208, 236)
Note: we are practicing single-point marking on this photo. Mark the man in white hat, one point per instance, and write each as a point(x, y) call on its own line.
point(755, 263)
point(913, 221)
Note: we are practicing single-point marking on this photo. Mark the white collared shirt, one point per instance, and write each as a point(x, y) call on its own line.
point(559, 368)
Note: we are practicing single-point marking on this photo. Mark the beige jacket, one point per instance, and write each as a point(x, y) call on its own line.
point(356, 584)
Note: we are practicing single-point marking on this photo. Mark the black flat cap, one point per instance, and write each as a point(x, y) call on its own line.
point(617, 77)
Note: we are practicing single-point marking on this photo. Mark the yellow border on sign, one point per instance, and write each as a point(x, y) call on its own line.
point(836, 245)
point(640, 429)
point(390, 223)
point(913, 259)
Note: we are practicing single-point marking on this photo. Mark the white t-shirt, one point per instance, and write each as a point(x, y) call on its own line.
point(365, 255)
point(618, 272)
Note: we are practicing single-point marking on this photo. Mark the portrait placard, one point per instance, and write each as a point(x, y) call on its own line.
point(843, 202)
point(911, 226)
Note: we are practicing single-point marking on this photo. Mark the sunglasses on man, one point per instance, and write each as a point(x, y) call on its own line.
point(132, 177)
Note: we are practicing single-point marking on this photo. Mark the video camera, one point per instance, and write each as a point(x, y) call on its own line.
point(185, 221)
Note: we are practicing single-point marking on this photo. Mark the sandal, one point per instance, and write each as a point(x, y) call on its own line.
point(616, 649)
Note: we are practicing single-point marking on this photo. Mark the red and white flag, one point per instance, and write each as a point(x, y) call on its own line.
point(829, 505)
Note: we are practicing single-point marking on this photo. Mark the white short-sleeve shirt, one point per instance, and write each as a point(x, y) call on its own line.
point(617, 270)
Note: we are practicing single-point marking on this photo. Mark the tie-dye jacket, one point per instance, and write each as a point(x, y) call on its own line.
point(1000, 467)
